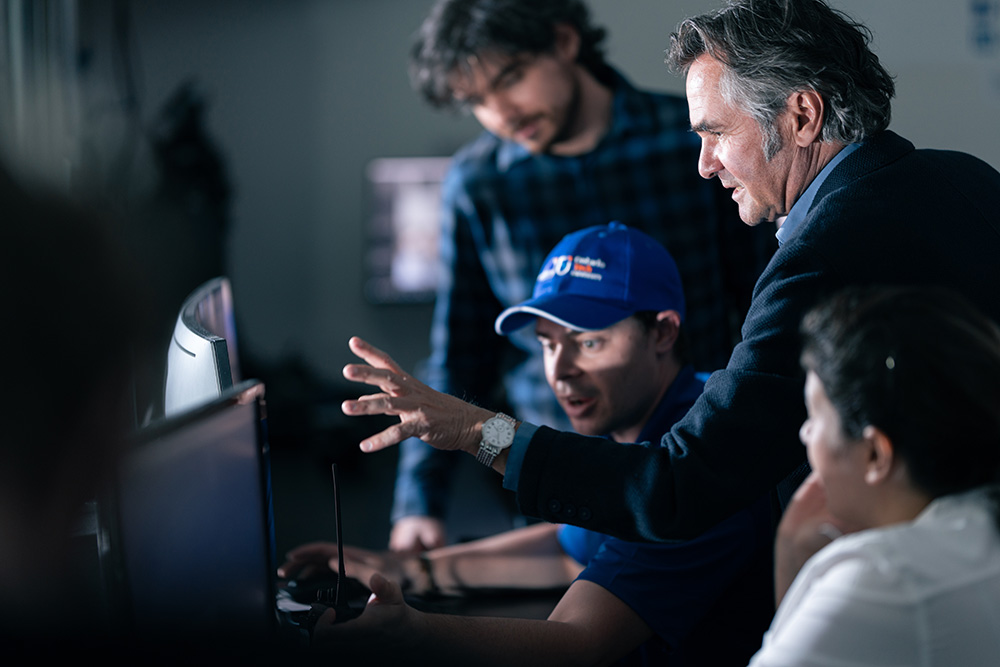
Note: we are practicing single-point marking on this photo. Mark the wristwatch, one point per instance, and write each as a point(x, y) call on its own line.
point(498, 434)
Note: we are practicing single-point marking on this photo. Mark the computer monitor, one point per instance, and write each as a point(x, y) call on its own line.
point(189, 526)
point(201, 360)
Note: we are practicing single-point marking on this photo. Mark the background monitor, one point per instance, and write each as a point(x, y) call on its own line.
point(201, 360)
point(404, 198)
point(190, 531)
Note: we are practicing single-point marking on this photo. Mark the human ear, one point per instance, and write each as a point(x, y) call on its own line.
point(806, 109)
point(567, 42)
point(668, 326)
point(881, 455)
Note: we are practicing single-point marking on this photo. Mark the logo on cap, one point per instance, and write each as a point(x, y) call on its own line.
point(577, 267)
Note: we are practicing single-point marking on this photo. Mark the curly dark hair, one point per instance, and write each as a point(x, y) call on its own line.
point(459, 31)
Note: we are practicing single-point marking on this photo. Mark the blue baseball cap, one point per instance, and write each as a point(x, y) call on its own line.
point(599, 276)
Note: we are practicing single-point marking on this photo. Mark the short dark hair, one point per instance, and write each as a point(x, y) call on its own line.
point(923, 365)
point(773, 48)
point(457, 30)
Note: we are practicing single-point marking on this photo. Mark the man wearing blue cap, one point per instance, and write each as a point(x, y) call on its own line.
point(608, 308)
point(598, 286)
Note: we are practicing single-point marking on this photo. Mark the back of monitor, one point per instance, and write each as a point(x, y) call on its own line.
point(201, 359)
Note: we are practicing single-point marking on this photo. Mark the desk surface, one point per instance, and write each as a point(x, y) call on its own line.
point(508, 604)
point(513, 603)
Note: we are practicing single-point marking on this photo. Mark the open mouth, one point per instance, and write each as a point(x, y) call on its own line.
point(576, 405)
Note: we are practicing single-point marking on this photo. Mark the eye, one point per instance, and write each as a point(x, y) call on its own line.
point(709, 134)
point(510, 78)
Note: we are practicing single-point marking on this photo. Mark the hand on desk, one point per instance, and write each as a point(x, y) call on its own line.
point(412, 535)
point(440, 420)
point(321, 558)
point(383, 629)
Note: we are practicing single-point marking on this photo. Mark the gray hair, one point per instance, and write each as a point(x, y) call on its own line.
point(771, 49)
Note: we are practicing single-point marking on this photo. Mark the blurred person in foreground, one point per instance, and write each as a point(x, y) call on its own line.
point(75, 332)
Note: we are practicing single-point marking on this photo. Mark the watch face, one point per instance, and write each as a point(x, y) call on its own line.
point(498, 432)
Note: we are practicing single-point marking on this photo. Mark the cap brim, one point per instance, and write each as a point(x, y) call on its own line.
point(572, 312)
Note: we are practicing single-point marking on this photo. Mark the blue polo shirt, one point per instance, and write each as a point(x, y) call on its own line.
point(708, 600)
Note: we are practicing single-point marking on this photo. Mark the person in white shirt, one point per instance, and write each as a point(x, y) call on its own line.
point(897, 529)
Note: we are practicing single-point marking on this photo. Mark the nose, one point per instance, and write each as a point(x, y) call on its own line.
point(708, 163)
point(562, 363)
point(499, 109)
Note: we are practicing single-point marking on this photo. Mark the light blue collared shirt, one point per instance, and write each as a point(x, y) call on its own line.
point(803, 203)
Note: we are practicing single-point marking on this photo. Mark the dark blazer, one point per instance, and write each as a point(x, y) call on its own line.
point(888, 214)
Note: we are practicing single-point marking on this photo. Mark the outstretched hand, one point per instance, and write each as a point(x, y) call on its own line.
point(440, 420)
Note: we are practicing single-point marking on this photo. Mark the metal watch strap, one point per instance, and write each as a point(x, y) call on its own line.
point(486, 454)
